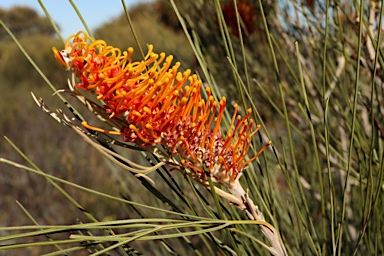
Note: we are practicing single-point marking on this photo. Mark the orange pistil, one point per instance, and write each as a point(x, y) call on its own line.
point(86, 125)
point(162, 106)
point(132, 127)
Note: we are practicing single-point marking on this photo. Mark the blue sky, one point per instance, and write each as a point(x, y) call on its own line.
point(94, 12)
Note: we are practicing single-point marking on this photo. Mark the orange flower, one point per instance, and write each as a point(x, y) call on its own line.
point(162, 106)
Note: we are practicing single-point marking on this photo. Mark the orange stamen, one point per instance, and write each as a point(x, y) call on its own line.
point(222, 160)
point(188, 149)
point(258, 153)
point(191, 166)
point(212, 114)
point(218, 120)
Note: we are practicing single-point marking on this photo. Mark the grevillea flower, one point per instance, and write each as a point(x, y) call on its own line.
point(161, 105)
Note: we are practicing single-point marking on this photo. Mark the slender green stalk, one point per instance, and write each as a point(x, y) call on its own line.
point(314, 146)
point(326, 132)
point(81, 18)
point(288, 129)
point(373, 134)
point(51, 21)
point(36, 223)
point(353, 125)
point(53, 179)
point(132, 29)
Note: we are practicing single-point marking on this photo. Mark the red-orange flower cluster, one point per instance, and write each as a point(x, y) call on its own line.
point(162, 106)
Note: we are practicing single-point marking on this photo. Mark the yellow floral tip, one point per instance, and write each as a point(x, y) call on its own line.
point(60, 58)
point(162, 106)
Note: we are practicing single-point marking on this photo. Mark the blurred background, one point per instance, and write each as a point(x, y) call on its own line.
point(298, 196)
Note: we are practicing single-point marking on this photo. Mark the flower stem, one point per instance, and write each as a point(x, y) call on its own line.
point(253, 212)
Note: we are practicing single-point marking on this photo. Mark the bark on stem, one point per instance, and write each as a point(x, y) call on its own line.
point(253, 212)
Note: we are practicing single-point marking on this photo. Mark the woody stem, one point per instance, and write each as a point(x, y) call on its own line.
point(253, 212)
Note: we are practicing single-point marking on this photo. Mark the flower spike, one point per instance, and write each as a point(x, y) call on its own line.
point(160, 105)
